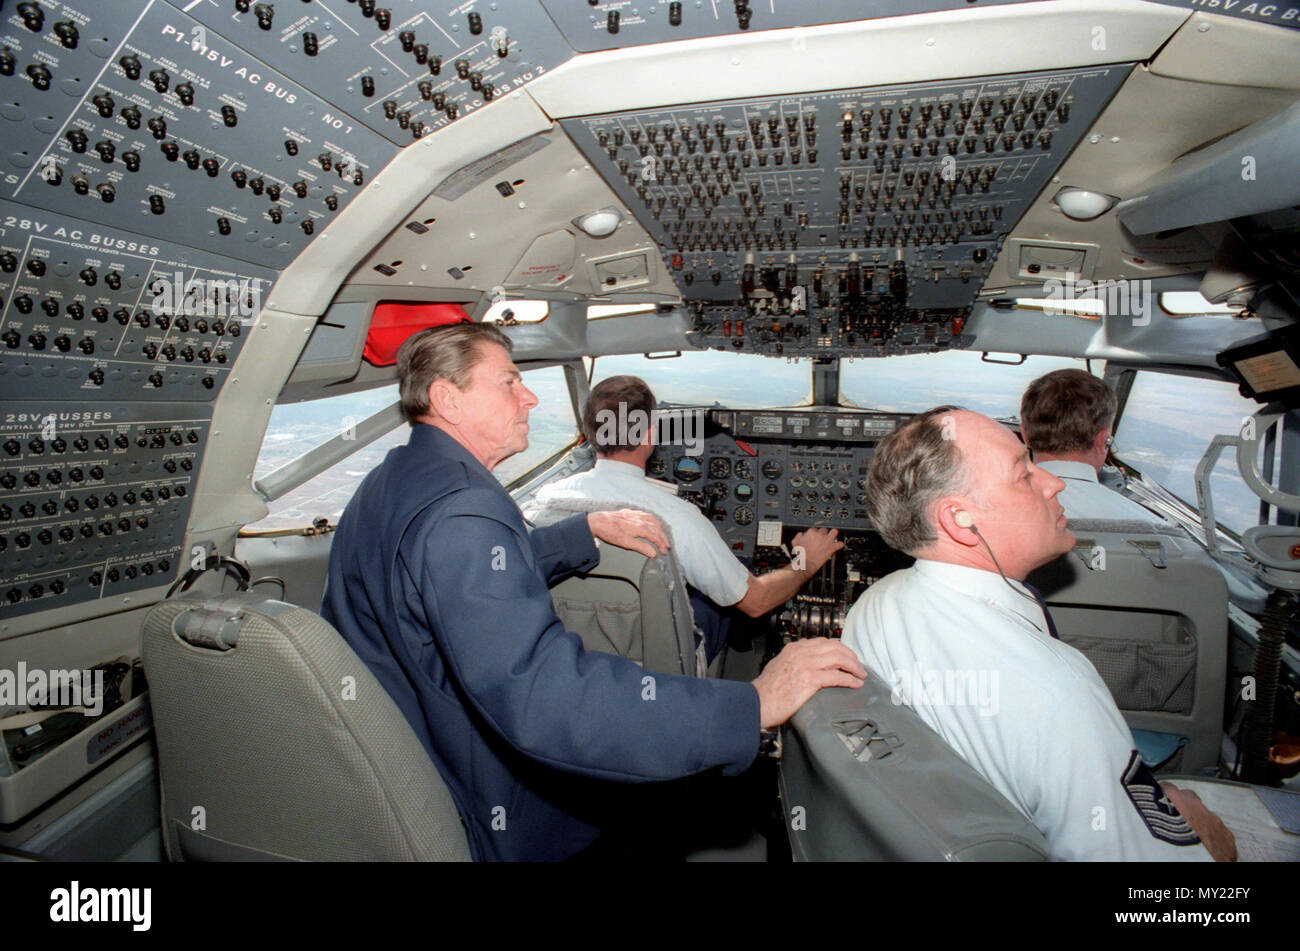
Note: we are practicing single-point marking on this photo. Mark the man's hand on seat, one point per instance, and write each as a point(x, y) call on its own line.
point(1214, 835)
point(629, 528)
point(799, 671)
point(818, 545)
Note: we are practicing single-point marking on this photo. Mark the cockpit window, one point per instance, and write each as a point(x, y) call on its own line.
point(1191, 303)
point(601, 311)
point(961, 377)
point(296, 428)
point(703, 377)
point(1166, 427)
point(508, 312)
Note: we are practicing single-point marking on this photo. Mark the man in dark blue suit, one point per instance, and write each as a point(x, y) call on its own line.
point(439, 588)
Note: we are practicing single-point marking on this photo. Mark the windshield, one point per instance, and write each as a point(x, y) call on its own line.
point(916, 383)
point(710, 376)
point(1165, 429)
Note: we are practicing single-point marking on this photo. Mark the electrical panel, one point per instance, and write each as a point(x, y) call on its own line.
point(96, 313)
point(152, 122)
point(94, 498)
point(403, 68)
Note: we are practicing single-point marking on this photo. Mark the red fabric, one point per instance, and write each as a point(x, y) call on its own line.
point(394, 321)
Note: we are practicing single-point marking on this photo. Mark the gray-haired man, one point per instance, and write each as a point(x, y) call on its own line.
point(958, 491)
point(442, 592)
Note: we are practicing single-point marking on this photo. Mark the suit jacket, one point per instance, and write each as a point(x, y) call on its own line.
point(437, 585)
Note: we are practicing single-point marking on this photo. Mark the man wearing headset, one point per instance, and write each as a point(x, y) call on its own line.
point(959, 492)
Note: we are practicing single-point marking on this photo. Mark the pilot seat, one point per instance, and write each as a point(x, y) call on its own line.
point(276, 743)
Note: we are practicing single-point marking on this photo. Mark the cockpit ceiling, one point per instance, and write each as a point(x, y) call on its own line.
point(913, 176)
point(247, 135)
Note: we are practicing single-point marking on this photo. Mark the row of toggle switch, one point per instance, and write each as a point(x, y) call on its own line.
point(95, 579)
point(37, 445)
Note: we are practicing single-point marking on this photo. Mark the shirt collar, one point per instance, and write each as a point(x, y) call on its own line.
point(1067, 469)
point(984, 586)
point(612, 467)
point(426, 437)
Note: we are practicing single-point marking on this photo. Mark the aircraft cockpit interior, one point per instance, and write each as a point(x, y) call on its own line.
point(803, 225)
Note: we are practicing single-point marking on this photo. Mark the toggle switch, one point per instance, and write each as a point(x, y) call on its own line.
point(40, 76)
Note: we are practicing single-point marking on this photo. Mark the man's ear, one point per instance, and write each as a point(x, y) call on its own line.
point(953, 517)
point(1099, 443)
point(445, 400)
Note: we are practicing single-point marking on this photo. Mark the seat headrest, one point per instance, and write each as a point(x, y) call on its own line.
point(214, 623)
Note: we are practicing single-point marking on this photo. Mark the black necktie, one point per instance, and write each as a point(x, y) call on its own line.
point(1051, 626)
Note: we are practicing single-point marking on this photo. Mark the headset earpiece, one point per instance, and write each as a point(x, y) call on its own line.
point(963, 519)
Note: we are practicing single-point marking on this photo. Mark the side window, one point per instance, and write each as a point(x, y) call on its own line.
point(1167, 425)
point(297, 427)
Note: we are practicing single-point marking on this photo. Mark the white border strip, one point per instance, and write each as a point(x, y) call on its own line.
point(977, 41)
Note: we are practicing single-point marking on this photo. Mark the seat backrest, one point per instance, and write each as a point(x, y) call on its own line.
point(1149, 608)
point(630, 605)
point(275, 742)
point(865, 779)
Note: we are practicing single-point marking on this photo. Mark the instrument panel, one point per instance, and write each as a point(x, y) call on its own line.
point(764, 476)
point(760, 471)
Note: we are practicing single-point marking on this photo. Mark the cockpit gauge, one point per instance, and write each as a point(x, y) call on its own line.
point(656, 467)
point(715, 490)
point(744, 491)
point(744, 469)
point(743, 515)
point(687, 469)
point(719, 467)
point(771, 469)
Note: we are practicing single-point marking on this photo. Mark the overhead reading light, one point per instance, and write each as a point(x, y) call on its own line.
point(598, 224)
point(1082, 204)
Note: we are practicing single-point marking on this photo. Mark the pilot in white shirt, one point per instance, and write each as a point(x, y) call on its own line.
point(1085, 497)
point(705, 560)
point(964, 642)
point(1065, 419)
point(618, 422)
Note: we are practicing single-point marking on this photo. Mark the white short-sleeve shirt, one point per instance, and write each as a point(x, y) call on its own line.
point(975, 660)
point(704, 558)
point(1085, 497)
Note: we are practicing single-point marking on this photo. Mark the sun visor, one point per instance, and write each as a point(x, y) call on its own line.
point(394, 321)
